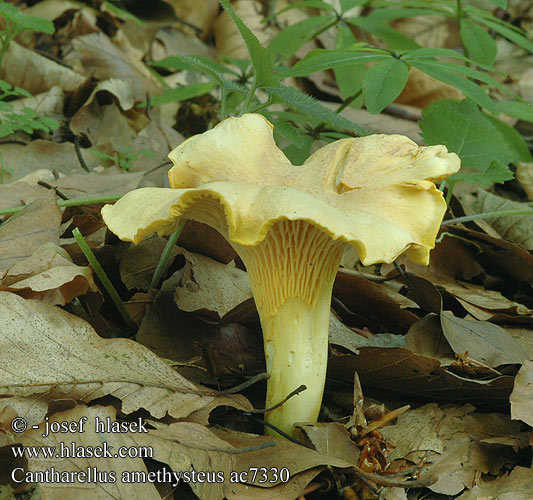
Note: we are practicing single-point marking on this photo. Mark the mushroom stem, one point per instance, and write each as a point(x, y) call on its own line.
point(292, 272)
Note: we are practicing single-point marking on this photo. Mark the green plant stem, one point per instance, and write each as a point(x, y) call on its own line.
point(460, 16)
point(249, 98)
point(468, 218)
point(99, 270)
point(349, 101)
point(165, 255)
point(75, 202)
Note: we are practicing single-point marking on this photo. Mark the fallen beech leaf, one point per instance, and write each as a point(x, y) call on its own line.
point(48, 275)
point(513, 486)
point(65, 358)
point(458, 432)
point(485, 342)
point(48, 103)
point(200, 13)
point(524, 175)
point(522, 395)
point(27, 230)
point(518, 228)
point(207, 285)
point(138, 264)
point(89, 438)
point(425, 338)
point(36, 73)
point(105, 60)
point(184, 446)
point(121, 89)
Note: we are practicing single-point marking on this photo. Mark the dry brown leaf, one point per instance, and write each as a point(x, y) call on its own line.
point(472, 442)
point(184, 446)
point(425, 338)
point(517, 228)
point(36, 73)
point(484, 342)
point(121, 89)
point(229, 41)
point(211, 287)
point(20, 160)
point(110, 181)
point(524, 175)
point(138, 264)
point(22, 192)
point(67, 359)
point(52, 9)
point(422, 90)
point(27, 230)
point(513, 486)
point(522, 395)
point(84, 441)
point(200, 13)
point(401, 371)
point(104, 60)
point(202, 239)
point(430, 31)
point(332, 439)
point(48, 275)
point(51, 102)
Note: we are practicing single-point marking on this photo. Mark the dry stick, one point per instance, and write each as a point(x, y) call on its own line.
point(247, 383)
point(49, 186)
point(79, 155)
point(385, 481)
point(283, 401)
point(111, 290)
point(468, 218)
point(385, 419)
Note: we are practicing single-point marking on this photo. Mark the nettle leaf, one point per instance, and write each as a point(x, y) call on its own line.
point(263, 69)
point(182, 93)
point(321, 59)
point(441, 71)
point(310, 106)
point(479, 45)
point(481, 141)
point(349, 78)
point(289, 40)
point(384, 32)
point(25, 22)
point(382, 83)
point(518, 109)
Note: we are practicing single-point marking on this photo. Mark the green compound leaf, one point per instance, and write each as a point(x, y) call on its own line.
point(479, 45)
point(263, 70)
point(183, 93)
point(289, 40)
point(382, 83)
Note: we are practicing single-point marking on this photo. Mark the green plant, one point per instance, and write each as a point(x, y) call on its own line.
point(15, 22)
point(124, 158)
point(374, 76)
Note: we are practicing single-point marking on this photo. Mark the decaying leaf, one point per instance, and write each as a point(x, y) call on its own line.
point(30, 228)
point(513, 486)
point(48, 275)
point(207, 285)
point(521, 397)
point(67, 359)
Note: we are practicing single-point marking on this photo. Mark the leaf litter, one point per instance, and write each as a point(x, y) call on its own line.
point(455, 333)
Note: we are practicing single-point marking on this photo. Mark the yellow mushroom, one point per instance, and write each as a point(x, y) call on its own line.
point(290, 225)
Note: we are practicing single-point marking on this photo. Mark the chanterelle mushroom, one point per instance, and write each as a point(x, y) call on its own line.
point(290, 225)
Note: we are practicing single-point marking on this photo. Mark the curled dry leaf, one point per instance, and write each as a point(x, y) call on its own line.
point(517, 228)
point(522, 395)
point(207, 285)
point(104, 60)
point(67, 359)
point(462, 437)
point(106, 466)
point(48, 275)
point(27, 230)
point(36, 73)
point(513, 486)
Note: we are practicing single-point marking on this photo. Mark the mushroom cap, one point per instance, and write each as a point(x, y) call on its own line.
point(375, 192)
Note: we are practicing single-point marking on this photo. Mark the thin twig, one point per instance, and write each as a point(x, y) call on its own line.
point(468, 218)
point(274, 428)
point(164, 164)
point(247, 383)
point(49, 186)
point(283, 401)
point(79, 155)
